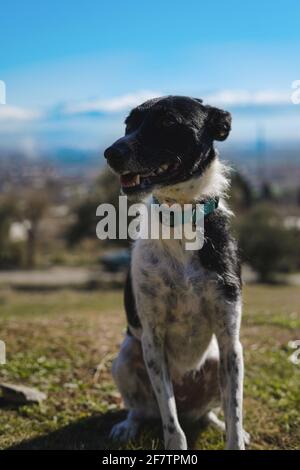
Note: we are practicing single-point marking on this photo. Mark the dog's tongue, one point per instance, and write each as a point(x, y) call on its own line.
point(129, 180)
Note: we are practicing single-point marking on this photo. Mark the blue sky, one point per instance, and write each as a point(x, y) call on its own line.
point(56, 55)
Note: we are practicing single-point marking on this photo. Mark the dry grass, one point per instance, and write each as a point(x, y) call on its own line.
point(56, 341)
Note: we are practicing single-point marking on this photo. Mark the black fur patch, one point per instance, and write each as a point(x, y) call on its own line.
point(130, 307)
point(171, 429)
point(219, 254)
point(148, 289)
point(153, 366)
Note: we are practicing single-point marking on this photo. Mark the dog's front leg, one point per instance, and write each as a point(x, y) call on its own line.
point(156, 363)
point(231, 376)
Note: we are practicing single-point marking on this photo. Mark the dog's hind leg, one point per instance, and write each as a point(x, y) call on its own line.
point(211, 419)
point(132, 380)
point(126, 430)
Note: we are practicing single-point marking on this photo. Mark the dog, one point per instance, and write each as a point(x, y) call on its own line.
point(182, 356)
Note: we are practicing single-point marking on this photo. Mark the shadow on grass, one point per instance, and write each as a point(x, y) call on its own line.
point(88, 433)
point(93, 434)
point(8, 405)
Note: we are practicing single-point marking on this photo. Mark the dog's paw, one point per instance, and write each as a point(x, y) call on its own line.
point(124, 431)
point(235, 445)
point(247, 438)
point(176, 441)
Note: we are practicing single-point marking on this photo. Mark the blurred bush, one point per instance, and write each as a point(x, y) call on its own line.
point(11, 254)
point(19, 250)
point(242, 195)
point(106, 189)
point(266, 244)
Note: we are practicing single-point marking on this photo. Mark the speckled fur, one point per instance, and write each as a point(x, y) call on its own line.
point(183, 307)
point(183, 320)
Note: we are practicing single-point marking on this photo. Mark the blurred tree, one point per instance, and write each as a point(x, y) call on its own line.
point(8, 209)
point(11, 254)
point(105, 190)
point(266, 244)
point(241, 193)
point(267, 192)
point(33, 207)
point(298, 196)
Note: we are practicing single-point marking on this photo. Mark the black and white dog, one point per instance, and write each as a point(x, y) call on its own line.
point(182, 353)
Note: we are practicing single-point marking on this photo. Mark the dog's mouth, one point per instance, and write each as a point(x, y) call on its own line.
point(134, 182)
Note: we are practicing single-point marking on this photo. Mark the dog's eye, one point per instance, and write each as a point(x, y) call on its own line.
point(169, 121)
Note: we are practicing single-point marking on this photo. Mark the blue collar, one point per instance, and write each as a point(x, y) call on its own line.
point(210, 205)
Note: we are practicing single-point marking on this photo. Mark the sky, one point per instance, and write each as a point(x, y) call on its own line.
point(72, 69)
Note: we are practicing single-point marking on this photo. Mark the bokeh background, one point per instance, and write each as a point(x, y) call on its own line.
point(72, 71)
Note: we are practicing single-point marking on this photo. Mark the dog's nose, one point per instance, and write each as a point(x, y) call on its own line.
point(114, 156)
point(112, 153)
point(117, 155)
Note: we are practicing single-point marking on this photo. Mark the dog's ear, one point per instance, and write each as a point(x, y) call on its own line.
point(219, 123)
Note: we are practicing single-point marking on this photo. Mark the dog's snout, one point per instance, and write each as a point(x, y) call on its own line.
point(118, 155)
point(112, 153)
point(115, 157)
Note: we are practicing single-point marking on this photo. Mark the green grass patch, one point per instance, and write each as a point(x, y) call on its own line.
point(56, 341)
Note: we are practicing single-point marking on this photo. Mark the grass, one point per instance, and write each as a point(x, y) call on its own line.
point(56, 341)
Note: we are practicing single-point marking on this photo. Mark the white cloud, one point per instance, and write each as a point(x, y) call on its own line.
point(248, 98)
point(110, 105)
point(2, 92)
point(238, 98)
point(15, 113)
point(223, 97)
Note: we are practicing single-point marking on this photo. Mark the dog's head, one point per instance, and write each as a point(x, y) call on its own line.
point(167, 140)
